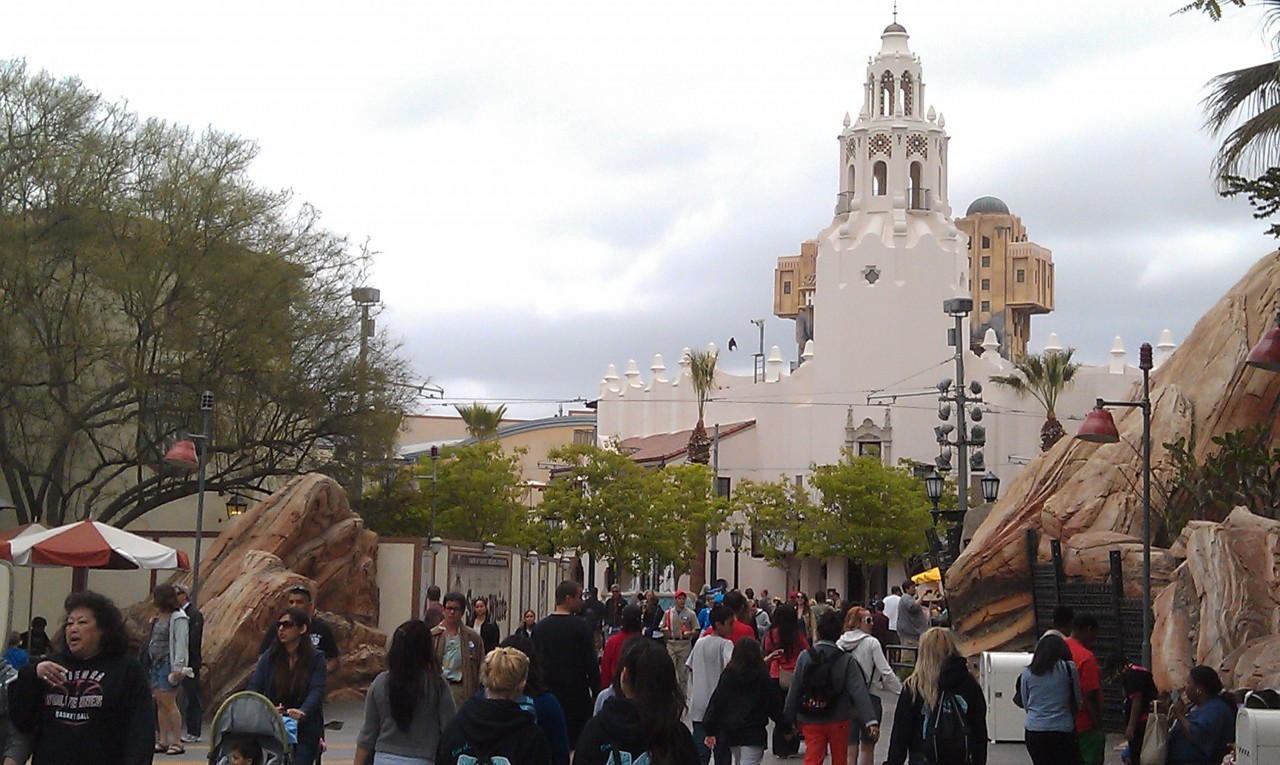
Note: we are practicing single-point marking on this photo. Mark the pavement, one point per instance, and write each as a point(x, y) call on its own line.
point(342, 743)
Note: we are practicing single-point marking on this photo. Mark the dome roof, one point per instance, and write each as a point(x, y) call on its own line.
point(987, 205)
point(895, 27)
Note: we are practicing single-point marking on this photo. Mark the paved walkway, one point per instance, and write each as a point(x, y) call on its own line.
point(342, 743)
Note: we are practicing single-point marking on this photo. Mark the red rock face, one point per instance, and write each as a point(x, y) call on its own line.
point(1089, 495)
point(304, 534)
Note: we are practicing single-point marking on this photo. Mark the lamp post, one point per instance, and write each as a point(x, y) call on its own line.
point(1100, 428)
point(947, 551)
point(735, 539)
point(713, 554)
point(180, 455)
point(365, 298)
point(531, 598)
point(435, 455)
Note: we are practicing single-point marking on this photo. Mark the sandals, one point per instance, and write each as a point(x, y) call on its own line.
point(176, 749)
point(160, 749)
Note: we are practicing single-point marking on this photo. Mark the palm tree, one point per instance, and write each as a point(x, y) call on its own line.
point(702, 373)
point(1251, 95)
point(482, 422)
point(1043, 377)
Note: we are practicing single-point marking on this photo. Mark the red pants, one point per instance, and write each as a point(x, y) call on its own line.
point(819, 737)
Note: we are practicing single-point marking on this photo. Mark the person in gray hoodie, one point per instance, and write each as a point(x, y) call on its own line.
point(913, 619)
point(828, 729)
point(858, 641)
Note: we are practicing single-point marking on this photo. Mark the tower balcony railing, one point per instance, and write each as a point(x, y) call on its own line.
point(844, 201)
point(919, 199)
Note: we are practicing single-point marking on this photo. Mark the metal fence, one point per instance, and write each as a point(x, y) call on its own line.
point(1119, 618)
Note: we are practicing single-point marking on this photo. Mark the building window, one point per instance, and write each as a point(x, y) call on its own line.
point(1022, 276)
point(583, 437)
point(986, 242)
point(786, 287)
point(986, 261)
point(869, 449)
point(986, 306)
point(871, 274)
point(986, 285)
point(880, 179)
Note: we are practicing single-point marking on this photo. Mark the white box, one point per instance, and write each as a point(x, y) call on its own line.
point(1258, 737)
point(1000, 671)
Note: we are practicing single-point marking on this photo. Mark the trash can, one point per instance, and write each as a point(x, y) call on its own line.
point(999, 672)
point(1258, 736)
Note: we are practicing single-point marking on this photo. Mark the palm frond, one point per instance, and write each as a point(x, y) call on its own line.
point(1251, 91)
point(702, 374)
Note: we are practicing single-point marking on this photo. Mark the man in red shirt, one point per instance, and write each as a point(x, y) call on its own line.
point(1089, 735)
point(742, 627)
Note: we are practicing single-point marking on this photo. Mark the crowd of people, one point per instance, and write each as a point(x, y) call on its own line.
point(600, 682)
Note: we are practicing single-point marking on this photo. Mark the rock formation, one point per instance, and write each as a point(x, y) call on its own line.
point(304, 534)
point(1089, 495)
point(1221, 609)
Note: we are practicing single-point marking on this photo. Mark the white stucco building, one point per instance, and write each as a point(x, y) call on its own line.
point(889, 258)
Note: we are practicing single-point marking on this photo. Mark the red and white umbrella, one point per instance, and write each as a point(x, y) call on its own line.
point(89, 544)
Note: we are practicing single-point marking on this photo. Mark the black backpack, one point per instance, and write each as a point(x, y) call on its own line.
point(821, 685)
point(946, 731)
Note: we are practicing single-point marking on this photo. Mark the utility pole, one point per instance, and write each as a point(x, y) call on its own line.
point(960, 397)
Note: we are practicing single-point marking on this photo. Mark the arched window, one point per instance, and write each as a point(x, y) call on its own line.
point(908, 93)
point(886, 95)
point(880, 181)
point(852, 188)
point(917, 200)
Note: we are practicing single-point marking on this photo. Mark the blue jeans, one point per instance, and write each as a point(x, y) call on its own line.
point(722, 754)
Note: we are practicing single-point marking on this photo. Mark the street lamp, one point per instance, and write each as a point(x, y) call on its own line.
point(236, 505)
point(735, 539)
point(435, 455)
point(365, 298)
point(180, 455)
point(990, 486)
point(1266, 354)
point(1100, 428)
point(713, 555)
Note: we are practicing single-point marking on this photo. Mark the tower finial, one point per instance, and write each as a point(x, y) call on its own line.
point(895, 11)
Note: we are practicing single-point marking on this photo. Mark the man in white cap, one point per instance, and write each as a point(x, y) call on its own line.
point(679, 627)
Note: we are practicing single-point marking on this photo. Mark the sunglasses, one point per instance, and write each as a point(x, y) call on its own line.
point(285, 624)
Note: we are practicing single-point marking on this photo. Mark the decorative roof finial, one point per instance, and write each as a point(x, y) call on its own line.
point(895, 11)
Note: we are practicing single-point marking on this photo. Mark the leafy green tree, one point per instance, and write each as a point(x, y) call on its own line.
point(684, 511)
point(604, 501)
point(139, 266)
point(1244, 470)
point(869, 512)
point(480, 495)
point(1043, 377)
point(395, 507)
point(482, 421)
point(777, 513)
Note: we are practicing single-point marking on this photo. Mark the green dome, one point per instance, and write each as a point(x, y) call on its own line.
point(895, 27)
point(987, 205)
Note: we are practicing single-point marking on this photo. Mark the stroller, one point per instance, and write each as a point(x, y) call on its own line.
point(249, 715)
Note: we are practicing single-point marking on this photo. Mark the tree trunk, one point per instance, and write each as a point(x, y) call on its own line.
point(1051, 433)
point(699, 454)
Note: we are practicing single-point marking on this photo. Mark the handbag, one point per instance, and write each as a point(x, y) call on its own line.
point(785, 676)
point(1155, 740)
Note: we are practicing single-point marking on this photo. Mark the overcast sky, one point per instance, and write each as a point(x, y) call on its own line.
point(553, 187)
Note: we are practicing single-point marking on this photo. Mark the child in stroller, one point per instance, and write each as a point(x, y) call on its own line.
point(247, 730)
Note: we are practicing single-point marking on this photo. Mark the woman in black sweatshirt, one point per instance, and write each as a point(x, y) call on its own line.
point(940, 670)
point(744, 701)
point(644, 719)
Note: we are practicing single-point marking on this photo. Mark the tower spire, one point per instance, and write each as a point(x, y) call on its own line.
point(895, 11)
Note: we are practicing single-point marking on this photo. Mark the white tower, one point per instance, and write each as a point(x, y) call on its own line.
point(892, 254)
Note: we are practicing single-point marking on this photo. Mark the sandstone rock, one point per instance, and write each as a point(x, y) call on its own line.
point(304, 534)
point(1221, 609)
point(1089, 496)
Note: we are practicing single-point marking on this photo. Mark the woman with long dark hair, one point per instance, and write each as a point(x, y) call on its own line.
point(90, 667)
point(482, 622)
point(407, 706)
point(744, 701)
point(783, 644)
point(543, 703)
point(292, 674)
point(1049, 689)
point(630, 627)
point(645, 718)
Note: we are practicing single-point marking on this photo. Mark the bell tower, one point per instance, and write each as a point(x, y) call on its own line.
point(894, 157)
